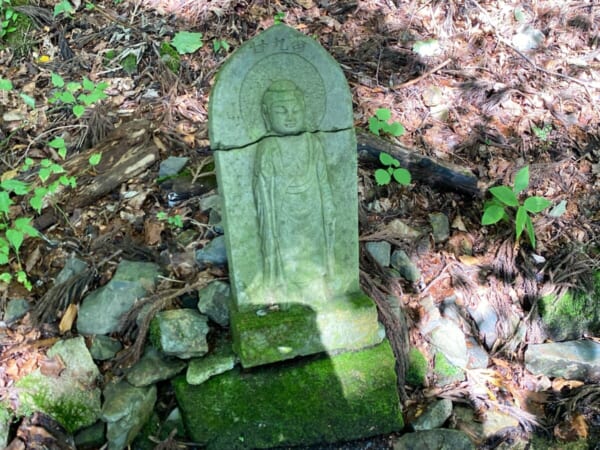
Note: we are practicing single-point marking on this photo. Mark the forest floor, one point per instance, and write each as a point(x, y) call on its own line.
point(489, 86)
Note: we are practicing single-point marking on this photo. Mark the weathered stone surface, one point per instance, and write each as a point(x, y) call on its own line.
point(214, 301)
point(434, 416)
point(104, 347)
point(480, 429)
point(289, 330)
point(180, 332)
point(478, 357)
point(214, 254)
point(314, 400)
point(5, 420)
point(153, 367)
point(440, 227)
point(408, 269)
point(92, 437)
point(380, 251)
point(220, 360)
point(573, 360)
point(126, 409)
point(73, 266)
point(486, 318)
point(15, 309)
point(448, 338)
point(101, 311)
point(446, 372)
point(70, 397)
point(434, 439)
point(172, 166)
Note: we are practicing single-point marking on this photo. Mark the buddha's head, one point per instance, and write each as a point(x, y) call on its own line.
point(283, 108)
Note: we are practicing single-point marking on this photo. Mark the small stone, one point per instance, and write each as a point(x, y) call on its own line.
point(573, 360)
point(126, 409)
point(438, 439)
point(434, 416)
point(73, 266)
point(448, 338)
point(478, 357)
point(215, 221)
point(153, 367)
point(104, 347)
point(486, 319)
point(211, 202)
point(92, 437)
point(186, 237)
point(214, 253)
point(15, 309)
point(213, 300)
point(171, 166)
point(380, 251)
point(401, 230)
point(219, 361)
point(492, 422)
point(440, 227)
point(408, 270)
point(180, 332)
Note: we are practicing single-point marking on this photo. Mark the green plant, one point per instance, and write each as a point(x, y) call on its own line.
point(542, 133)
point(64, 7)
point(380, 122)
point(8, 18)
point(278, 17)
point(505, 199)
point(220, 44)
point(187, 42)
point(87, 93)
point(392, 170)
point(174, 221)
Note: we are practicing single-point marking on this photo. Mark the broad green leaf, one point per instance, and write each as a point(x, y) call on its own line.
point(16, 186)
point(129, 63)
point(68, 181)
point(88, 85)
point(66, 97)
point(62, 152)
point(78, 110)
point(44, 173)
point(5, 85)
point(382, 177)
point(505, 195)
point(383, 114)
point(187, 42)
point(521, 180)
point(29, 100)
point(530, 231)
point(23, 224)
point(57, 80)
point(22, 278)
point(520, 220)
point(94, 159)
point(395, 129)
point(559, 209)
point(492, 214)
point(37, 202)
point(15, 238)
point(57, 142)
point(374, 125)
point(5, 202)
point(402, 176)
point(536, 204)
point(388, 160)
point(5, 276)
point(73, 86)
point(4, 246)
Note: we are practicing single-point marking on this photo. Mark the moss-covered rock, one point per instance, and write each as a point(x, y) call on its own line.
point(572, 315)
point(416, 372)
point(317, 399)
point(445, 371)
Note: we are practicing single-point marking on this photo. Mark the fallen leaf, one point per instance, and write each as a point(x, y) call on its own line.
point(52, 367)
point(66, 323)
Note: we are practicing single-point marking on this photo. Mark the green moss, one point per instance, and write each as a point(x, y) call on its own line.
point(417, 368)
point(541, 443)
point(170, 57)
point(315, 400)
point(19, 40)
point(151, 428)
point(445, 371)
point(154, 333)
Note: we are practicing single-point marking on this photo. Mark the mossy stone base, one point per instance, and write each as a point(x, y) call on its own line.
point(303, 402)
point(267, 335)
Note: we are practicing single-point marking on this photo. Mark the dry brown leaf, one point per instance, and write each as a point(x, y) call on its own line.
point(558, 384)
point(572, 430)
point(152, 231)
point(52, 367)
point(66, 323)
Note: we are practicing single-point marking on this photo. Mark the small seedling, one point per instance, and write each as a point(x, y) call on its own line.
point(174, 221)
point(392, 170)
point(87, 92)
point(380, 122)
point(187, 42)
point(64, 7)
point(220, 44)
point(496, 210)
point(8, 18)
point(278, 17)
point(542, 133)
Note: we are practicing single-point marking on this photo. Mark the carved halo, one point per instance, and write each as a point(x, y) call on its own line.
point(281, 66)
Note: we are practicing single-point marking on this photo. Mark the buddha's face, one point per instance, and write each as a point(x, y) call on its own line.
point(285, 115)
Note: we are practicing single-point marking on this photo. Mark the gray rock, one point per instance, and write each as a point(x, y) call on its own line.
point(104, 347)
point(92, 437)
point(434, 439)
point(486, 318)
point(73, 266)
point(15, 309)
point(213, 300)
point(445, 372)
point(408, 270)
point(101, 311)
point(573, 360)
point(153, 367)
point(214, 253)
point(126, 409)
point(448, 338)
point(5, 420)
point(219, 361)
point(181, 333)
point(71, 397)
point(440, 227)
point(215, 221)
point(171, 166)
point(211, 202)
point(380, 251)
point(478, 357)
point(434, 416)
point(480, 429)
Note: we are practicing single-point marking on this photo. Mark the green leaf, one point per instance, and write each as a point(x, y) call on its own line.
point(63, 7)
point(402, 176)
point(492, 214)
point(44, 173)
point(37, 202)
point(129, 64)
point(57, 80)
point(78, 110)
point(5, 276)
point(505, 195)
point(73, 86)
point(187, 42)
point(5, 85)
point(88, 85)
point(16, 186)
point(536, 204)
point(23, 224)
point(521, 180)
point(89, 6)
point(66, 97)
point(5, 202)
point(383, 114)
point(95, 159)
point(382, 177)
point(388, 160)
point(15, 238)
point(22, 278)
point(530, 231)
point(520, 220)
point(57, 142)
point(559, 209)
point(29, 101)
point(395, 129)
point(374, 125)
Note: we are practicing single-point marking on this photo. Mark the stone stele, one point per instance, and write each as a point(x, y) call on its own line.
point(281, 125)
